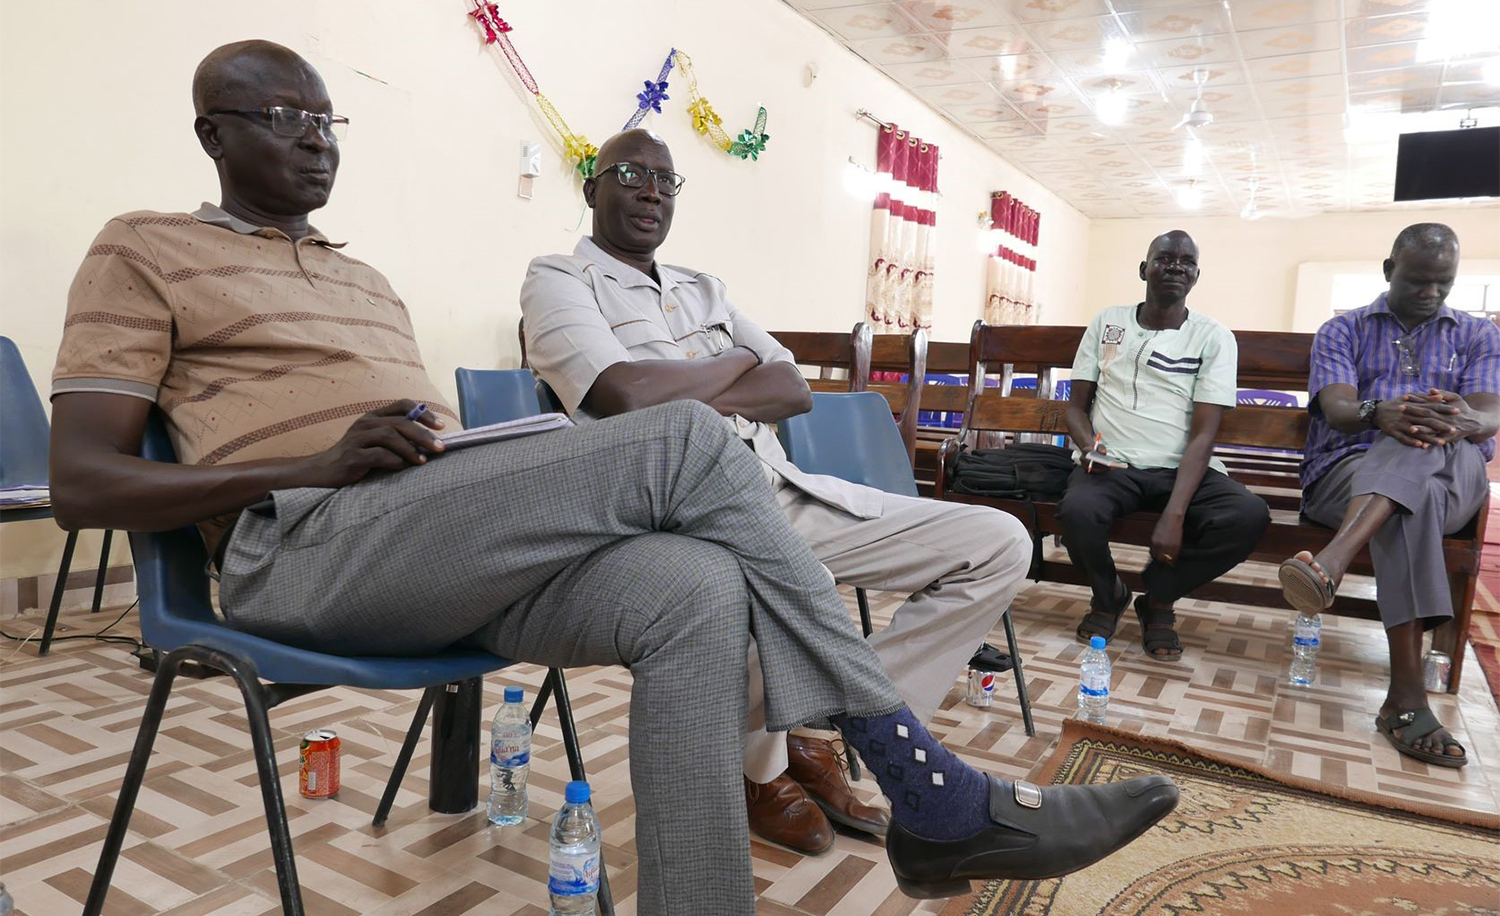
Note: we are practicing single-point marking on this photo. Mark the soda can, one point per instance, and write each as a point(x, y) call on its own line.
point(320, 764)
point(1435, 670)
point(981, 688)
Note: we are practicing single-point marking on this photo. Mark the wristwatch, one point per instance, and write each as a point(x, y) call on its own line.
point(1367, 412)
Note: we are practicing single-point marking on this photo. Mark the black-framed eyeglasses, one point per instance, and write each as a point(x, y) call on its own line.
point(294, 122)
point(630, 175)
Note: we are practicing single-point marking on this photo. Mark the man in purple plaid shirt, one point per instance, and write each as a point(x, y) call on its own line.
point(1405, 402)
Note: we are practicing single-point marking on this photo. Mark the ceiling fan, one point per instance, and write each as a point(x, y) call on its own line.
point(1197, 114)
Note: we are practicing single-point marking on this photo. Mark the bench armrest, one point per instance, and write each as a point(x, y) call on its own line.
point(947, 453)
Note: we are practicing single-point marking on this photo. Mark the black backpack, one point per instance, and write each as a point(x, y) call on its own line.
point(1025, 471)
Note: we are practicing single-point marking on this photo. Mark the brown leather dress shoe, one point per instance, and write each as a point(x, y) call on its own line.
point(782, 813)
point(816, 765)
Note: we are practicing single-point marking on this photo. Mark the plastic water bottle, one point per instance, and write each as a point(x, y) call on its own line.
point(1093, 682)
point(510, 760)
point(1307, 638)
point(573, 881)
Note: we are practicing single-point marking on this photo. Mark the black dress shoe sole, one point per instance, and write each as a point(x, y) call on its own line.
point(844, 820)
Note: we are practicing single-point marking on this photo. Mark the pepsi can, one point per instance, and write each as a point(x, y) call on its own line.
point(981, 688)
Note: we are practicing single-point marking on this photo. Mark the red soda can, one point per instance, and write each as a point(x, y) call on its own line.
point(319, 777)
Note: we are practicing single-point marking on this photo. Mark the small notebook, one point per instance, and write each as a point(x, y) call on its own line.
point(510, 429)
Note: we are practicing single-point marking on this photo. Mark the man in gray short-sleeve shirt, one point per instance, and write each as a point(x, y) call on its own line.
point(613, 330)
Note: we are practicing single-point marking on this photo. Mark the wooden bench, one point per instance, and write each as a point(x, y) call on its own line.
point(857, 354)
point(1268, 360)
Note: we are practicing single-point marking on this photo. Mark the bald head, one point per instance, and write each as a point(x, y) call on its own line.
point(236, 75)
point(626, 146)
point(1174, 238)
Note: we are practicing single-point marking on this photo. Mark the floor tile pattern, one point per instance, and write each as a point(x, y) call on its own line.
point(198, 847)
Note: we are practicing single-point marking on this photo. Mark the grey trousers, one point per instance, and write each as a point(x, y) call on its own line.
point(650, 540)
point(1436, 492)
point(961, 566)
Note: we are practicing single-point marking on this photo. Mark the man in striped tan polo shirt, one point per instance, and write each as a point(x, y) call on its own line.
point(286, 372)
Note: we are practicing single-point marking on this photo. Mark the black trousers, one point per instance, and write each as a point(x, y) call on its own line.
point(1222, 525)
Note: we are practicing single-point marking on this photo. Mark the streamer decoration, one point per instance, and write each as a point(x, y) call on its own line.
point(749, 144)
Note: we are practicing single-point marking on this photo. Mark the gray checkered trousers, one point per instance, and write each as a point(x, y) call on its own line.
point(650, 540)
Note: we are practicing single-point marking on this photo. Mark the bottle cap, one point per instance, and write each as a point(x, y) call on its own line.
point(514, 694)
point(1096, 642)
point(577, 792)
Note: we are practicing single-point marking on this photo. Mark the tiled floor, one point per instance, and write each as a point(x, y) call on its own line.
point(198, 844)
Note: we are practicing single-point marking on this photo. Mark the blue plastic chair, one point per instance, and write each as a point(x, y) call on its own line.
point(855, 438)
point(488, 396)
point(24, 434)
point(177, 618)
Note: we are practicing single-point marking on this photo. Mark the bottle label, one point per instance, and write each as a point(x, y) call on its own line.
point(1094, 684)
point(511, 753)
point(1306, 636)
point(573, 874)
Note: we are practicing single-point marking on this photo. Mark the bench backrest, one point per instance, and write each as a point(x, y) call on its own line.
point(830, 351)
point(1267, 360)
point(905, 354)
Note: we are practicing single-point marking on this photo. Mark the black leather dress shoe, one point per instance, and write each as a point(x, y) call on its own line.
point(1035, 832)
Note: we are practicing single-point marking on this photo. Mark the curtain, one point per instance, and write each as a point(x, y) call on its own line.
point(1010, 271)
point(898, 289)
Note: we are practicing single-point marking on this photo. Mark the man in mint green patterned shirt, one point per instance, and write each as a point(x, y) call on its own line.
point(1150, 385)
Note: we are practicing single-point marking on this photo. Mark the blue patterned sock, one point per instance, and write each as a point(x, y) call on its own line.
point(932, 793)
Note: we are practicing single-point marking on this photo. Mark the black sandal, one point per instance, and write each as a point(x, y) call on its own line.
point(1099, 622)
point(1158, 631)
point(1404, 729)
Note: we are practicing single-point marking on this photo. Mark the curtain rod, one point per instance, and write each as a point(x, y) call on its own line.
point(865, 115)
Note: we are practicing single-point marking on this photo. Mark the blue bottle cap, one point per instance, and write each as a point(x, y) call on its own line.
point(1096, 642)
point(577, 792)
point(514, 694)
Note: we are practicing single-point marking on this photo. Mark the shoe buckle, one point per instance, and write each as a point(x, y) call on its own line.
point(1027, 794)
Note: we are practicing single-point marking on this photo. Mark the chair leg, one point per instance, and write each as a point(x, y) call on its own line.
point(398, 770)
point(868, 627)
point(57, 592)
point(1015, 657)
point(135, 772)
point(557, 685)
point(103, 568)
point(864, 612)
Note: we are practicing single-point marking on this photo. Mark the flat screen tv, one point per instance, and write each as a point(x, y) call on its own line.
point(1448, 163)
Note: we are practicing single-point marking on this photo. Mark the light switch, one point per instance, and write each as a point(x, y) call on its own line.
point(531, 159)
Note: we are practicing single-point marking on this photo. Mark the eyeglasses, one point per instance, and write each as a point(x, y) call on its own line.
point(630, 175)
point(1411, 362)
point(294, 122)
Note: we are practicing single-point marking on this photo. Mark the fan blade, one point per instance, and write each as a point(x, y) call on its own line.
point(1180, 123)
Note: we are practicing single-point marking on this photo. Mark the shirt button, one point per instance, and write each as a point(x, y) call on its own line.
point(670, 307)
point(692, 354)
point(741, 422)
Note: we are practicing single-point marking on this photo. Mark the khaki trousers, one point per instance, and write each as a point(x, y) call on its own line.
point(961, 566)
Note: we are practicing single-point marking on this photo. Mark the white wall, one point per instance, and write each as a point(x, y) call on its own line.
point(95, 99)
point(1249, 268)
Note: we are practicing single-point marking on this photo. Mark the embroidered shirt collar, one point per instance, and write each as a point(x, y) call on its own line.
point(218, 216)
point(622, 273)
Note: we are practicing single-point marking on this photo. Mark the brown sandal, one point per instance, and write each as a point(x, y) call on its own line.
point(1305, 585)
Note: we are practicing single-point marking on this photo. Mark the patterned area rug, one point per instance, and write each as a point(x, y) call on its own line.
point(1256, 843)
point(1484, 632)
